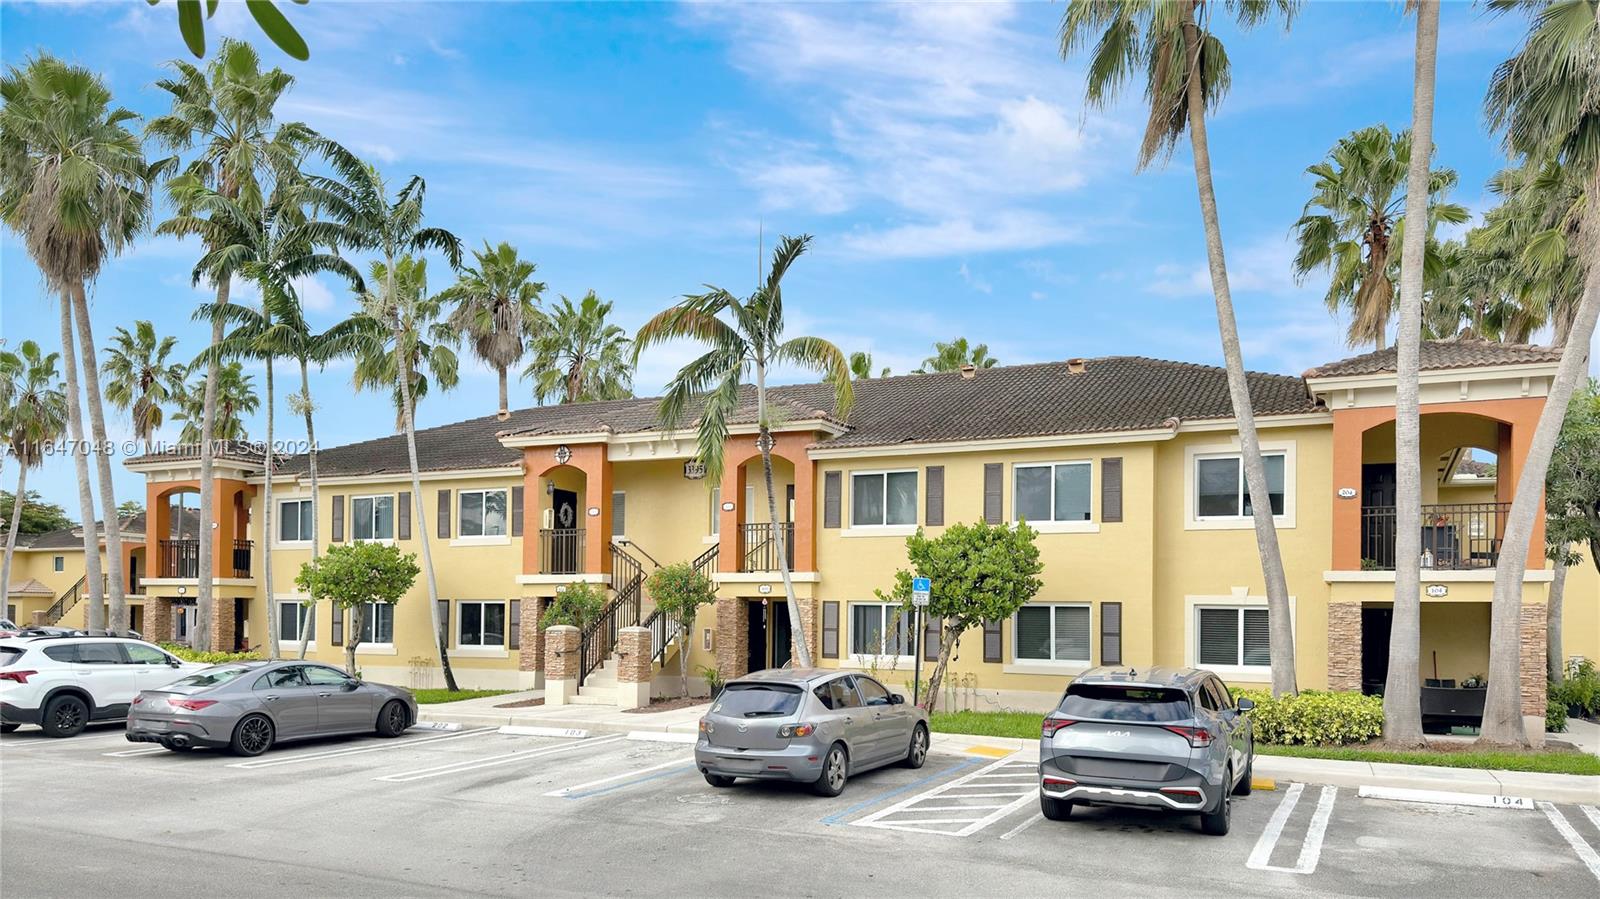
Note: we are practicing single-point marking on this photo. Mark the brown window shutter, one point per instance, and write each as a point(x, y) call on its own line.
point(1111, 489)
point(992, 647)
point(444, 514)
point(402, 519)
point(831, 482)
point(993, 506)
point(619, 513)
point(338, 519)
point(830, 629)
point(934, 516)
point(338, 626)
point(516, 511)
point(514, 628)
point(444, 619)
point(930, 639)
point(1111, 633)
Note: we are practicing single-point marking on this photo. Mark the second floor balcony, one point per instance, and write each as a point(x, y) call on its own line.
point(181, 559)
point(1455, 536)
point(758, 546)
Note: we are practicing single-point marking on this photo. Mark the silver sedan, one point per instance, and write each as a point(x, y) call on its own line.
point(814, 725)
point(249, 706)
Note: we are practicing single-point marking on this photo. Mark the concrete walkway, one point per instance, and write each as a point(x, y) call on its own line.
point(1583, 734)
point(484, 711)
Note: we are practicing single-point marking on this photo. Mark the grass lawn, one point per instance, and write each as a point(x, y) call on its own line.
point(430, 697)
point(1025, 725)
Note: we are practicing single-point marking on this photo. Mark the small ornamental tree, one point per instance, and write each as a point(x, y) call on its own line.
point(1572, 508)
point(577, 605)
point(352, 576)
point(679, 591)
point(980, 572)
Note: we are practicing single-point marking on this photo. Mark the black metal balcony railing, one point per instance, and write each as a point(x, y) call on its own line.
point(181, 559)
point(561, 550)
point(758, 551)
point(1455, 536)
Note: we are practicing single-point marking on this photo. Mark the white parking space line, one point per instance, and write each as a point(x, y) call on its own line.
point(492, 761)
point(897, 816)
point(358, 750)
point(1311, 850)
point(128, 753)
point(651, 736)
point(1037, 817)
point(94, 741)
point(1592, 813)
point(578, 788)
point(1586, 853)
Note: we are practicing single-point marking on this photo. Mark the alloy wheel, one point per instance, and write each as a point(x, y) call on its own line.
point(836, 770)
point(69, 715)
point(255, 734)
point(397, 718)
point(919, 746)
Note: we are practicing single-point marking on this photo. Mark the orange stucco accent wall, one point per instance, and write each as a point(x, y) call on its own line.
point(741, 449)
point(1520, 416)
point(593, 461)
point(230, 511)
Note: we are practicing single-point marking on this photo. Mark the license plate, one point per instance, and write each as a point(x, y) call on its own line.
point(737, 764)
point(157, 726)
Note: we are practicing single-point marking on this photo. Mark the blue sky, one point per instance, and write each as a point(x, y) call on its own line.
point(940, 154)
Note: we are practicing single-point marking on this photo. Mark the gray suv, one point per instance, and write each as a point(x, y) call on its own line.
point(1166, 738)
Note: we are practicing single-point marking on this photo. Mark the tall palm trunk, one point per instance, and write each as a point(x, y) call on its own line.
point(205, 604)
point(266, 523)
point(16, 525)
point(403, 369)
point(802, 652)
point(1502, 707)
point(505, 400)
point(80, 461)
point(1554, 660)
point(311, 458)
point(1402, 694)
point(1255, 471)
point(118, 617)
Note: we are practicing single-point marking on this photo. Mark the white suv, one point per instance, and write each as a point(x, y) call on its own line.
point(63, 683)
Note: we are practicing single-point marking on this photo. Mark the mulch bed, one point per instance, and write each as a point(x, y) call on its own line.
point(667, 705)
point(521, 703)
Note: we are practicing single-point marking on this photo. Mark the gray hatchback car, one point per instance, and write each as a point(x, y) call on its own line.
point(1164, 738)
point(813, 725)
point(250, 706)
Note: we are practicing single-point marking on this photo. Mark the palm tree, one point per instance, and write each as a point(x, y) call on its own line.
point(956, 354)
point(360, 216)
point(497, 308)
point(409, 326)
point(75, 185)
point(33, 416)
point(861, 367)
point(750, 341)
point(1402, 694)
point(1353, 218)
point(226, 111)
point(1532, 238)
point(1543, 100)
point(233, 396)
point(579, 357)
point(1187, 74)
point(139, 378)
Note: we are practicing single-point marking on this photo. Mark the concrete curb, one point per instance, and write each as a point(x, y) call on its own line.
point(639, 722)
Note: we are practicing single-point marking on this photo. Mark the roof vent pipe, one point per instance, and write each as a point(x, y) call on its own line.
point(969, 371)
point(1075, 366)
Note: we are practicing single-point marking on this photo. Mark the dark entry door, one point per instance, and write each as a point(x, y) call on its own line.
point(1375, 624)
point(1377, 514)
point(241, 638)
point(756, 637)
point(782, 637)
point(565, 523)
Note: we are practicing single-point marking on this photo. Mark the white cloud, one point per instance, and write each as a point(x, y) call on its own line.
point(314, 294)
point(976, 283)
point(1265, 265)
point(1017, 230)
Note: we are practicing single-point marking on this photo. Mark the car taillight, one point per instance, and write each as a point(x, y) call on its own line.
point(1051, 725)
point(138, 699)
point(797, 730)
point(706, 727)
point(192, 705)
point(1198, 737)
point(1053, 781)
point(18, 677)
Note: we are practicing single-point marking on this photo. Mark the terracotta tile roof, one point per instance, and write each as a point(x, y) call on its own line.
point(29, 587)
point(1441, 354)
point(72, 538)
point(229, 450)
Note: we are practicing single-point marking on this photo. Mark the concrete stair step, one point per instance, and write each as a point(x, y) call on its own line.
point(595, 696)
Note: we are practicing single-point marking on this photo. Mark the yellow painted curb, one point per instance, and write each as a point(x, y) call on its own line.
point(1263, 783)
point(997, 752)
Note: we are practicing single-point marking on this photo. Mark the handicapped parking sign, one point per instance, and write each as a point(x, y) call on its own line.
point(921, 590)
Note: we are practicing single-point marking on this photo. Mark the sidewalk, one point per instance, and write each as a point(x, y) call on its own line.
point(483, 712)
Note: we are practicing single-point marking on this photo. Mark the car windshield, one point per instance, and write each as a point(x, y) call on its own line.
point(1119, 703)
point(8, 655)
point(212, 677)
point(758, 700)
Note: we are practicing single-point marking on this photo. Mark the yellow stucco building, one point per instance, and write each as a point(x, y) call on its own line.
point(1128, 467)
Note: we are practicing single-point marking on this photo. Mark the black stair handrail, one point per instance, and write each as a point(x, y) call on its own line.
point(599, 638)
point(66, 601)
point(662, 628)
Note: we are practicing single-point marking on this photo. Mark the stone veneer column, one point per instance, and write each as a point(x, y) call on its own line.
point(1344, 646)
point(222, 623)
point(733, 623)
point(157, 619)
point(1534, 671)
point(560, 664)
point(530, 657)
point(633, 667)
point(808, 626)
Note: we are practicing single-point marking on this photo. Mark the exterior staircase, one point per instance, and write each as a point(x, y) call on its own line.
point(600, 687)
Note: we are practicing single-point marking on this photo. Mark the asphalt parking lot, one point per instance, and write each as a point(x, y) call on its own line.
point(478, 812)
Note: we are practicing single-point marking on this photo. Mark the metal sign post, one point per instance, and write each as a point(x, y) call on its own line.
point(921, 592)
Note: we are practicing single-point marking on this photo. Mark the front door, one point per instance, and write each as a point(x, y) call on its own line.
point(756, 636)
point(1375, 624)
point(564, 550)
point(768, 636)
point(185, 623)
point(241, 626)
point(1378, 493)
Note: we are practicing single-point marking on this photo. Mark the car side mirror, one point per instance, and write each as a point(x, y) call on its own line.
point(174, 662)
point(352, 684)
point(1245, 704)
point(896, 699)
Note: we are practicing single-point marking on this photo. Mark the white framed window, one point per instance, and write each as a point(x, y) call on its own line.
point(715, 527)
point(1216, 496)
point(294, 521)
point(482, 513)
point(377, 626)
point(1052, 632)
point(883, 498)
point(481, 624)
point(11, 612)
point(1053, 493)
point(372, 517)
point(1232, 637)
point(880, 629)
point(60, 563)
point(296, 623)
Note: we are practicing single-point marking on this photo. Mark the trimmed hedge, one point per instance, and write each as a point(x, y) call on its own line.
point(1315, 718)
point(189, 654)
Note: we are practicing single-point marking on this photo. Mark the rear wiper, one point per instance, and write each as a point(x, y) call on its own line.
point(763, 714)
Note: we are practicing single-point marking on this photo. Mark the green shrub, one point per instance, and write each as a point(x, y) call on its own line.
point(189, 654)
point(1555, 712)
point(1579, 692)
point(1315, 718)
point(577, 605)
